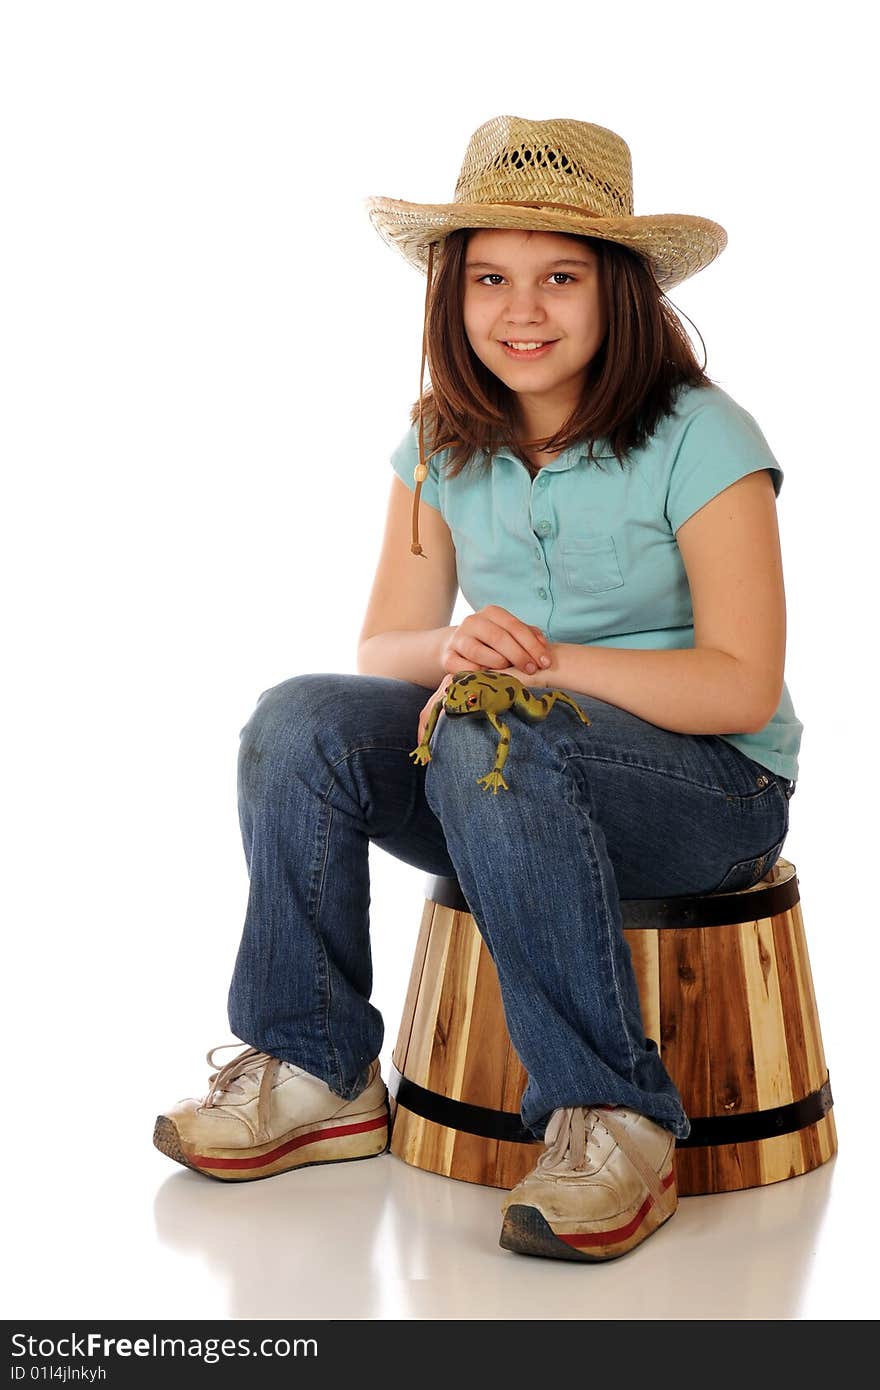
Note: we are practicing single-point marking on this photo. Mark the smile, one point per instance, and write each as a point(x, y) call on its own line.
point(527, 349)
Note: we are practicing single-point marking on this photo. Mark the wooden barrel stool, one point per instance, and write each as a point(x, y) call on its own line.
point(726, 992)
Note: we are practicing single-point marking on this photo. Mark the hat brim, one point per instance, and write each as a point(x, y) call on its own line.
point(677, 245)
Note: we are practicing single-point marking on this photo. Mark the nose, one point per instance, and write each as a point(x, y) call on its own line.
point(522, 306)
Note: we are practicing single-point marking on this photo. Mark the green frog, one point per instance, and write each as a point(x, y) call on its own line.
point(491, 693)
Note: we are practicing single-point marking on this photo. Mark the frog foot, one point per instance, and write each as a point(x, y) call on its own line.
point(421, 754)
point(492, 781)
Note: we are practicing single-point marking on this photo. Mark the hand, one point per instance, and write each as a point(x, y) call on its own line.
point(495, 639)
point(527, 678)
point(425, 714)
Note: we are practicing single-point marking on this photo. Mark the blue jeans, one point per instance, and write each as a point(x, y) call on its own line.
point(617, 809)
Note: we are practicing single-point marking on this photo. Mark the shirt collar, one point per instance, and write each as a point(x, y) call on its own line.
point(567, 459)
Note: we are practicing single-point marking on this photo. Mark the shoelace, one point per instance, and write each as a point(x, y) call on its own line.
point(247, 1063)
point(567, 1137)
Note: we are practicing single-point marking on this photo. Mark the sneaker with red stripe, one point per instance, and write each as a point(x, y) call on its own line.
point(262, 1116)
point(604, 1183)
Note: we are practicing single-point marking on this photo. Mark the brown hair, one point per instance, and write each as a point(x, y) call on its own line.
point(630, 384)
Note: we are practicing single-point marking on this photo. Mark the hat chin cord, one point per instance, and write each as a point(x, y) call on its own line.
point(420, 472)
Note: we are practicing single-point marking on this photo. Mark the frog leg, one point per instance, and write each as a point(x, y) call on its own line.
point(534, 706)
point(546, 703)
point(493, 780)
point(422, 754)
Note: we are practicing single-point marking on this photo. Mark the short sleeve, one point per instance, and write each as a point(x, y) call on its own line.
point(721, 443)
point(404, 460)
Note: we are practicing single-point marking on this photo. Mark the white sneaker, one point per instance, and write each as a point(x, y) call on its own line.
point(605, 1182)
point(263, 1116)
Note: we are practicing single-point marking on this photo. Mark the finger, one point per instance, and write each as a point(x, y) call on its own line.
point(534, 644)
point(471, 653)
point(425, 714)
point(532, 651)
point(545, 658)
point(519, 645)
point(480, 640)
point(530, 644)
point(511, 623)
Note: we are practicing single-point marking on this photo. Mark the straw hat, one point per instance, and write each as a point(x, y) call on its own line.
point(555, 176)
point(552, 176)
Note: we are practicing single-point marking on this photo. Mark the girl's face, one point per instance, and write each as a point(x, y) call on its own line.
point(534, 287)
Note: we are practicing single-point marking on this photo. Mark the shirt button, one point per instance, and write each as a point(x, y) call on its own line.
point(543, 528)
point(542, 480)
point(542, 593)
point(539, 552)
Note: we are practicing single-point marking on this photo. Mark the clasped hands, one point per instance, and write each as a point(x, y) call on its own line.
point(493, 639)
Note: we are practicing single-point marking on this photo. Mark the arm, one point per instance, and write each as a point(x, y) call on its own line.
point(731, 680)
point(407, 619)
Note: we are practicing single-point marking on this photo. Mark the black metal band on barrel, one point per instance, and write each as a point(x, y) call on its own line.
point(759, 1124)
point(457, 1114)
point(705, 1131)
point(649, 914)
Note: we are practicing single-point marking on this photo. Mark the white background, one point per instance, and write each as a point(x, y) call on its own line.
point(208, 355)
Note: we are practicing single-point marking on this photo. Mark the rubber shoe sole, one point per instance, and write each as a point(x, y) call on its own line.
point(526, 1231)
point(352, 1137)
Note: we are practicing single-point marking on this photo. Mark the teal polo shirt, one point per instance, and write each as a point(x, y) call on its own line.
point(587, 552)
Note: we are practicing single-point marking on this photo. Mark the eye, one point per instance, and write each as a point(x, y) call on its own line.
point(553, 276)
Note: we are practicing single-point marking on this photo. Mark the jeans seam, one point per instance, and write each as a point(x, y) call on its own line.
point(671, 773)
point(316, 890)
point(368, 748)
point(608, 926)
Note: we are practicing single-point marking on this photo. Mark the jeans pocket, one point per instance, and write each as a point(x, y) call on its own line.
point(747, 872)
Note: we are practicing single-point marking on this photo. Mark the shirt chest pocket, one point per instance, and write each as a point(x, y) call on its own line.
point(590, 565)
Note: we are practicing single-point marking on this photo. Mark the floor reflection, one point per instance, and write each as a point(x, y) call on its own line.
point(380, 1239)
point(299, 1245)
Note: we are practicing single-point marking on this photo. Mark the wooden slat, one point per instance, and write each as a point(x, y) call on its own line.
point(484, 1075)
point(452, 1015)
point(645, 951)
point(684, 1041)
point(815, 1055)
point(826, 1136)
point(421, 1045)
point(486, 1065)
point(401, 1049)
point(765, 1014)
point(793, 1020)
point(498, 1164)
point(733, 1087)
point(421, 1143)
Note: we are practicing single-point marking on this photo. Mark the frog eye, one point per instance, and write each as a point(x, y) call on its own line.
point(473, 699)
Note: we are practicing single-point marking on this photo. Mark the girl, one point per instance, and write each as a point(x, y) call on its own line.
point(609, 514)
